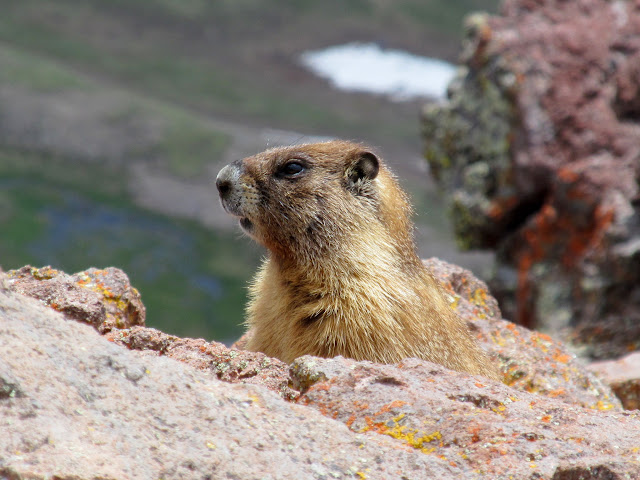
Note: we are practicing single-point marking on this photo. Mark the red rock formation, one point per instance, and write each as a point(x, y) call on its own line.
point(539, 148)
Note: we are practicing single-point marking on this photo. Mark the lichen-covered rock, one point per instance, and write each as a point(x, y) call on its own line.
point(74, 406)
point(537, 149)
point(479, 428)
point(623, 376)
point(530, 361)
point(103, 298)
point(228, 364)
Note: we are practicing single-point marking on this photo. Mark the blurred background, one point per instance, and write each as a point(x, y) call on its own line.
point(115, 117)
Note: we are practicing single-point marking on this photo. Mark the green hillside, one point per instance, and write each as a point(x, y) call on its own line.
point(98, 97)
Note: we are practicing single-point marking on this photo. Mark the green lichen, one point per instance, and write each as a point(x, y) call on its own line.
point(467, 143)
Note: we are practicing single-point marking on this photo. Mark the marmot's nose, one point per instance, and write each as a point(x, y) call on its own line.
point(224, 180)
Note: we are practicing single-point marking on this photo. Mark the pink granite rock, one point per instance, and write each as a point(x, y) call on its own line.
point(75, 406)
point(623, 376)
point(478, 427)
point(227, 364)
point(103, 298)
point(531, 361)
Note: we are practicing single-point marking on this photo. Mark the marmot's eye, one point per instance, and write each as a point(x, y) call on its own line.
point(291, 169)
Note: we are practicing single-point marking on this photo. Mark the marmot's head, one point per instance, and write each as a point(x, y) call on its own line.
point(309, 199)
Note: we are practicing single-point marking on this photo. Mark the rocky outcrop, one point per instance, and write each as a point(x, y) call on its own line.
point(74, 405)
point(538, 149)
point(228, 364)
point(103, 298)
point(623, 376)
point(531, 361)
point(478, 428)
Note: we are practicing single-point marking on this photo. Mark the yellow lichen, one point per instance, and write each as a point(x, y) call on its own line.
point(44, 273)
point(411, 436)
point(479, 297)
point(602, 405)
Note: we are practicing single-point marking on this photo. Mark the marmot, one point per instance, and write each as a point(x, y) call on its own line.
point(342, 276)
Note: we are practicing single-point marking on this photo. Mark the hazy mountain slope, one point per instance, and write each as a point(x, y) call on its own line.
point(107, 107)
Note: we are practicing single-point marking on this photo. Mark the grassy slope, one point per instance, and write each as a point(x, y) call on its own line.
point(54, 210)
point(53, 215)
point(232, 59)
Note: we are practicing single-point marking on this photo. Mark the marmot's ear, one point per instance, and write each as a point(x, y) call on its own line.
point(366, 167)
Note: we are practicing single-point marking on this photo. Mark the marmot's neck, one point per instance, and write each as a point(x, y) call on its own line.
point(360, 260)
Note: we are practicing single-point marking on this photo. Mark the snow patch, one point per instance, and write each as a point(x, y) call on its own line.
point(365, 67)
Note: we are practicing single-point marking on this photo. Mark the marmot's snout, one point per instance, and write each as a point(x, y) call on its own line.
point(232, 194)
point(225, 179)
point(226, 183)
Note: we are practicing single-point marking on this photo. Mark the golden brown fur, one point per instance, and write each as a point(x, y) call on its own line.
point(342, 276)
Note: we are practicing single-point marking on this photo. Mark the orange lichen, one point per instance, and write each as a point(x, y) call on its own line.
point(500, 206)
point(387, 408)
point(475, 433)
point(350, 420)
point(513, 328)
point(556, 393)
point(360, 405)
point(558, 356)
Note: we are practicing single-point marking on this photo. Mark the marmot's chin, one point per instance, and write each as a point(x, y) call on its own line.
point(246, 225)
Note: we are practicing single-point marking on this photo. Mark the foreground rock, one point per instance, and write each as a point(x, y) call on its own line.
point(623, 376)
point(103, 298)
point(227, 364)
point(477, 427)
point(531, 361)
point(74, 406)
point(538, 151)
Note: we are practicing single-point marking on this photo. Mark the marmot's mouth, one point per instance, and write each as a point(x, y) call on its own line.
point(246, 224)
